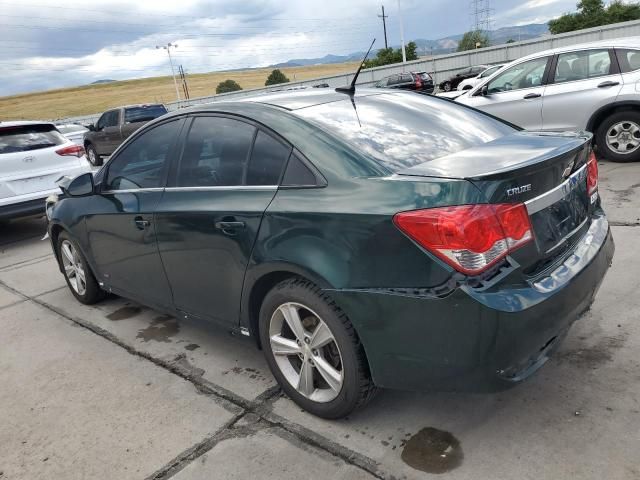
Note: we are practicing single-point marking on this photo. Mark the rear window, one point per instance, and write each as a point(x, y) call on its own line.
point(402, 130)
point(64, 129)
point(24, 138)
point(629, 60)
point(424, 76)
point(143, 113)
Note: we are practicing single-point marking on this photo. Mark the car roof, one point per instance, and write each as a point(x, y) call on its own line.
point(19, 123)
point(631, 42)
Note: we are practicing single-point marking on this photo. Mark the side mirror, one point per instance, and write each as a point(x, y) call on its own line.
point(484, 91)
point(91, 127)
point(80, 186)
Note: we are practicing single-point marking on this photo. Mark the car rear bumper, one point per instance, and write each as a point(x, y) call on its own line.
point(22, 209)
point(475, 341)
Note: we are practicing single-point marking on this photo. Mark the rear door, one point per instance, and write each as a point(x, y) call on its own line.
point(580, 83)
point(208, 219)
point(515, 94)
point(119, 221)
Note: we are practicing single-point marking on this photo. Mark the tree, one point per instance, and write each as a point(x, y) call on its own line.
point(511, 40)
point(472, 40)
point(387, 56)
point(593, 13)
point(228, 86)
point(276, 77)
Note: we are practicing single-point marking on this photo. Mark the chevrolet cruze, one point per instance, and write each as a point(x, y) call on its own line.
point(364, 240)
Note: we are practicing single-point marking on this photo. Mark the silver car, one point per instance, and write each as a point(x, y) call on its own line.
point(592, 86)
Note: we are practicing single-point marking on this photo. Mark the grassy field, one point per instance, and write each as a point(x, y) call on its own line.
point(68, 102)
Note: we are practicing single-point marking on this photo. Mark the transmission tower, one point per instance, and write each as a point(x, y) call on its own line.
point(481, 13)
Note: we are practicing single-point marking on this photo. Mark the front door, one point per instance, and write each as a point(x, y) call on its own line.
point(582, 82)
point(515, 95)
point(209, 216)
point(120, 229)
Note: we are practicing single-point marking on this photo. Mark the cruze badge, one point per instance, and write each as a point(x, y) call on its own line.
point(28, 159)
point(518, 190)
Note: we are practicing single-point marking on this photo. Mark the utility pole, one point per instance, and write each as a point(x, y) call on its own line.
point(384, 26)
point(168, 48)
point(404, 53)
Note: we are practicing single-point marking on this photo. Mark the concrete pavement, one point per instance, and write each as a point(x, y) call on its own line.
point(120, 391)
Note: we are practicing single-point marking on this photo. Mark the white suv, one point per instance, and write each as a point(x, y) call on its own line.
point(33, 155)
point(592, 86)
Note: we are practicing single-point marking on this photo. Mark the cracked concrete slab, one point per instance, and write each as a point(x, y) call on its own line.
point(619, 186)
point(270, 453)
point(76, 406)
point(231, 362)
point(7, 297)
point(34, 278)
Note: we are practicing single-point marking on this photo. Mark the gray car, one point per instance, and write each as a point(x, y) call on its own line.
point(592, 86)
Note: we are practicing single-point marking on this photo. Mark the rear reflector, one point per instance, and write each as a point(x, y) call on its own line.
point(592, 174)
point(71, 150)
point(470, 238)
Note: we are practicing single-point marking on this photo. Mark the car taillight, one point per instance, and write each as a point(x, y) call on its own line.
point(418, 83)
point(71, 150)
point(470, 238)
point(592, 174)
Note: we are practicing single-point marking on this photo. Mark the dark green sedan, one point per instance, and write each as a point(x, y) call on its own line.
point(379, 239)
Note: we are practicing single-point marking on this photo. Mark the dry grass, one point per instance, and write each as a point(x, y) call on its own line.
point(90, 99)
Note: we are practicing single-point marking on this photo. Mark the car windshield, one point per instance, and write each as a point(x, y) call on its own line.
point(143, 113)
point(490, 71)
point(23, 138)
point(402, 130)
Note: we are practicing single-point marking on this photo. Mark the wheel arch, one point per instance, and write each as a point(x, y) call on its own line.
point(603, 112)
point(55, 230)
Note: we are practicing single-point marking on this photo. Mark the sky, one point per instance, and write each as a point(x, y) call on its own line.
point(47, 44)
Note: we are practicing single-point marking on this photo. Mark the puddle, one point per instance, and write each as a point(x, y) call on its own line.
point(433, 451)
point(591, 357)
point(161, 329)
point(191, 347)
point(124, 312)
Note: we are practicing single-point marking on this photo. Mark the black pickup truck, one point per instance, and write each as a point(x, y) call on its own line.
point(114, 126)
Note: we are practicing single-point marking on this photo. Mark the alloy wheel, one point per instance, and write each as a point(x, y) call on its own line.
point(623, 137)
point(73, 268)
point(92, 156)
point(306, 352)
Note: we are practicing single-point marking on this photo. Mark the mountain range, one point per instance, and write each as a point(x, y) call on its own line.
point(432, 47)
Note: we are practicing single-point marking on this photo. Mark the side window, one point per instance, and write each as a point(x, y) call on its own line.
point(406, 78)
point(394, 80)
point(142, 163)
point(216, 153)
point(629, 60)
point(101, 121)
point(582, 65)
point(298, 174)
point(111, 119)
point(267, 160)
point(524, 75)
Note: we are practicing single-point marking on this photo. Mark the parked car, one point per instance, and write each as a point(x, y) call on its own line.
point(73, 132)
point(469, 83)
point(454, 80)
point(33, 155)
point(592, 86)
point(115, 126)
point(419, 81)
point(358, 238)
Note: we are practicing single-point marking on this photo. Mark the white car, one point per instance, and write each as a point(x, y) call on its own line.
point(73, 132)
point(33, 155)
point(591, 86)
point(469, 83)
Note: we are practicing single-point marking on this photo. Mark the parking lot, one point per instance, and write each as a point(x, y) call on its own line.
point(120, 391)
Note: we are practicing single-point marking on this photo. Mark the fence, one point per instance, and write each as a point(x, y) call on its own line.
point(441, 66)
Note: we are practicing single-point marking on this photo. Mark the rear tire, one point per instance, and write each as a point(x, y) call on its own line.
point(446, 86)
point(92, 155)
point(77, 273)
point(618, 137)
point(330, 354)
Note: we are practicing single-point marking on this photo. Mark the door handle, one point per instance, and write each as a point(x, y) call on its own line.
point(229, 227)
point(608, 83)
point(529, 96)
point(141, 223)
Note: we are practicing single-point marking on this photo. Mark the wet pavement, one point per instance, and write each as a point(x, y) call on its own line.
point(118, 390)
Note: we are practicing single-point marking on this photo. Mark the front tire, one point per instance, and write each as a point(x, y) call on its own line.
point(313, 350)
point(618, 137)
point(92, 155)
point(77, 273)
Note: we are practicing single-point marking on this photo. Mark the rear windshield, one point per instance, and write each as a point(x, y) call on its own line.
point(70, 128)
point(143, 113)
point(24, 138)
point(402, 130)
point(424, 76)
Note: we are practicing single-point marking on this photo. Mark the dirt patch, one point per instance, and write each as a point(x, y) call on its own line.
point(124, 313)
point(161, 329)
point(591, 357)
point(433, 451)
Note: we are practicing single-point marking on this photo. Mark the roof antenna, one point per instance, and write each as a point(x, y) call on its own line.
point(351, 89)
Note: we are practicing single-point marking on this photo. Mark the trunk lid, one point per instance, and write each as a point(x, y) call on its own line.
point(545, 171)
